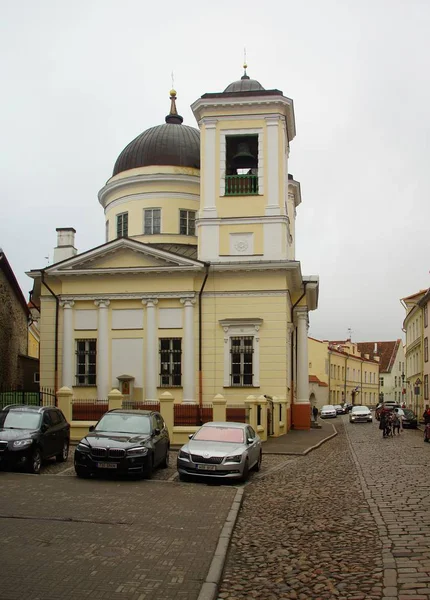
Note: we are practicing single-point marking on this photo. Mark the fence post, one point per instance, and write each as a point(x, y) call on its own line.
point(65, 397)
point(251, 404)
point(219, 408)
point(166, 410)
point(114, 399)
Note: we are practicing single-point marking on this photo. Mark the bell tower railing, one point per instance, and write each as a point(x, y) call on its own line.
point(241, 185)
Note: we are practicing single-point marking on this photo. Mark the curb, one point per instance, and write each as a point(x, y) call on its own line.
point(209, 589)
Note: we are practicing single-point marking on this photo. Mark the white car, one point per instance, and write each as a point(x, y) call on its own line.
point(328, 412)
point(360, 414)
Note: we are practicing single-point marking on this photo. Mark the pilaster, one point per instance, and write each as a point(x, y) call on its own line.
point(67, 375)
point(188, 375)
point(103, 348)
point(152, 370)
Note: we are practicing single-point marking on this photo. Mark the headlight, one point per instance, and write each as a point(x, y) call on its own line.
point(139, 451)
point(352, 418)
point(83, 448)
point(22, 443)
point(236, 458)
point(183, 454)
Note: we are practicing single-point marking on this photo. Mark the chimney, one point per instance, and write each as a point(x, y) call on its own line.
point(65, 244)
point(375, 349)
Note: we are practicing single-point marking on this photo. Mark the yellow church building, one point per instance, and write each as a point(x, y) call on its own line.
point(197, 290)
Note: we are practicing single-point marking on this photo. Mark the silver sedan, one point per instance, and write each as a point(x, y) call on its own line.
point(218, 449)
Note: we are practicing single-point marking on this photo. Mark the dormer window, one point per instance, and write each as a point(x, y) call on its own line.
point(241, 175)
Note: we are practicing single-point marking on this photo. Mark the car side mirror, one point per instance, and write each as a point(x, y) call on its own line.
point(92, 427)
point(157, 431)
point(250, 441)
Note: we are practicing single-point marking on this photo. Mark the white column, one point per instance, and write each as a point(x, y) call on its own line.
point(209, 169)
point(302, 357)
point(67, 379)
point(103, 386)
point(188, 364)
point(152, 368)
point(272, 166)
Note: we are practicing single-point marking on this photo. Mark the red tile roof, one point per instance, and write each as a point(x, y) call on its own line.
point(314, 379)
point(386, 351)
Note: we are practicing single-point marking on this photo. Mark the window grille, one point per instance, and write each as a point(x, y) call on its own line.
point(241, 361)
point(86, 357)
point(170, 362)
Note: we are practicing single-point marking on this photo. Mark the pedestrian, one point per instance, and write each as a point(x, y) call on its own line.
point(396, 418)
point(400, 413)
point(315, 413)
point(383, 422)
point(426, 415)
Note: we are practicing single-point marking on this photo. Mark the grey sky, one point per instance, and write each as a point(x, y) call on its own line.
point(82, 79)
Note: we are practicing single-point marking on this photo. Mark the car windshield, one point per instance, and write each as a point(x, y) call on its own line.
point(360, 409)
point(219, 434)
point(327, 407)
point(124, 423)
point(409, 413)
point(20, 419)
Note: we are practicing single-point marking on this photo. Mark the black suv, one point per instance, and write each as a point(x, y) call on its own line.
point(127, 442)
point(30, 434)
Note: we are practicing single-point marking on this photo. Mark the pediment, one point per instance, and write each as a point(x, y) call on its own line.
point(123, 255)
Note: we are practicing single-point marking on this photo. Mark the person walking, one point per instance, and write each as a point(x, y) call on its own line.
point(400, 414)
point(383, 422)
point(315, 413)
point(396, 420)
point(426, 415)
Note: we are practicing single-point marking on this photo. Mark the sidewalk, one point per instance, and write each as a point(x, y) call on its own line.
point(301, 442)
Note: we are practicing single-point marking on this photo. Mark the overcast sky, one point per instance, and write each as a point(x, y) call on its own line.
point(81, 79)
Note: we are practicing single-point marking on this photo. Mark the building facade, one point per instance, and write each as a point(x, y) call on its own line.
point(197, 289)
point(392, 368)
point(413, 326)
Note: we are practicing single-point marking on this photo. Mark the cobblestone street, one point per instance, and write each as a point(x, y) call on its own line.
point(348, 521)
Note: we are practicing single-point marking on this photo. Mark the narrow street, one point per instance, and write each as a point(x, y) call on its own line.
point(348, 521)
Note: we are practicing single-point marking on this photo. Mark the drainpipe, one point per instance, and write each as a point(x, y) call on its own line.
point(201, 336)
point(292, 347)
point(57, 305)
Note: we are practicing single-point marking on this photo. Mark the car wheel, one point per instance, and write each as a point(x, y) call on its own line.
point(165, 461)
point(245, 472)
point(82, 473)
point(148, 468)
point(64, 454)
point(257, 465)
point(35, 462)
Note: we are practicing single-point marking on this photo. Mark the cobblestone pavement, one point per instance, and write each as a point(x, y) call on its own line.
point(63, 538)
point(348, 521)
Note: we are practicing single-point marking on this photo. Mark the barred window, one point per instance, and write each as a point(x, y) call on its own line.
point(187, 222)
point(241, 363)
point(170, 362)
point(152, 221)
point(86, 355)
point(426, 387)
point(122, 225)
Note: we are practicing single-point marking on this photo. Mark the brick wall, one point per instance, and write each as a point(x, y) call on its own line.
point(13, 335)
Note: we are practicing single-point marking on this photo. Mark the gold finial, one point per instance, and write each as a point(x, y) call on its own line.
point(172, 93)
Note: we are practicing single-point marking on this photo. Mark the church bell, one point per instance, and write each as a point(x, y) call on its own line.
point(244, 159)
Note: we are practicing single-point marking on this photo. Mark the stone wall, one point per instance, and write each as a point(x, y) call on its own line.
point(13, 335)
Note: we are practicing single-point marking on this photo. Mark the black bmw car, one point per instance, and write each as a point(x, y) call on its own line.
point(30, 434)
point(124, 442)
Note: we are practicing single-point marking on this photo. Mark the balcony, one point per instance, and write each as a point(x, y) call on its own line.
point(241, 185)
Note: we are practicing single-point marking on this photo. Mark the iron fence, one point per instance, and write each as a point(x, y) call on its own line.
point(88, 409)
point(43, 397)
point(192, 415)
point(142, 405)
point(237, 413)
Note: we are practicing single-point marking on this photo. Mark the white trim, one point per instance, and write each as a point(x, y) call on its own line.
point(126, 270)
point(242, 328)
point(208, 184)
point(142, 179)
point(125, 296)
point(246, 294)
point(272, 129)
point(223, 155)
point(152, 196)
point(244, 220)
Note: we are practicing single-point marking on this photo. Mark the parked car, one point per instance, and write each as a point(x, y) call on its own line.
point(409, 419)
point(348, 407)
point(360, 414)
point(31, 434)
point(340, 410)
point(389, 405)
point(127, 442)
point(328, 411)
point(224, 450)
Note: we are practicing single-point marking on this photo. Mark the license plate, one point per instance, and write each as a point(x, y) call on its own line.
point(107, 465)
point(206, 467)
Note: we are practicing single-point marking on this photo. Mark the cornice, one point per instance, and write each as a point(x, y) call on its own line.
point(283, 219)
point(143, 179)
point(153, 196)
point(124, 270)
point(246, 294)
point(126, 296)
point(257, 266)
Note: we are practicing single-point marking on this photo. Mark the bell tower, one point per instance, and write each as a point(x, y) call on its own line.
point(246, 213)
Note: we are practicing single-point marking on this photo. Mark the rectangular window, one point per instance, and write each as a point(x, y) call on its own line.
point(36, 377)
point(86, 355)
point(381, 381)
point(187, 222)
point(107, 231)
point(395, 381)
point(170, 362)
point(241, 355)
point(426, 349)
point(426, 322)
point(152, 221)
point(426, 387)
point(122, 225)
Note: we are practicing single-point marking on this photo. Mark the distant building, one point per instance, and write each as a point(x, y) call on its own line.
point(413, 325)
point(392, 373)
point(351, 376)
point(18, 370)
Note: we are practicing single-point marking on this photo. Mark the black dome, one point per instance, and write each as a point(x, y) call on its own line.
point(171, 144)
point(245, 84)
